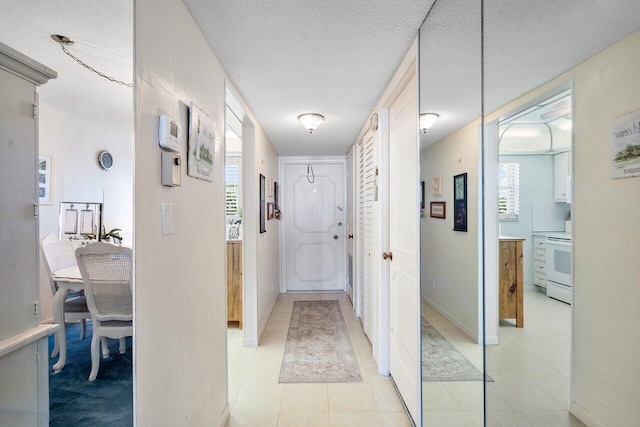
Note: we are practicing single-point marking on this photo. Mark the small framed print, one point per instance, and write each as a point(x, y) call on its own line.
point(45, 179)
point(263, 214)
point(270, 188)
point(438, 210)
point(436, 187)
point(270, 210)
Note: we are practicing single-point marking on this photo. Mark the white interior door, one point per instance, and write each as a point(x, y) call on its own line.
point(366, 231)
point(351, 253)
point(404, 246)
point(314, 215)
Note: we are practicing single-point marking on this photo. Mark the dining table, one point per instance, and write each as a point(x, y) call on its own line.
point(68, 279)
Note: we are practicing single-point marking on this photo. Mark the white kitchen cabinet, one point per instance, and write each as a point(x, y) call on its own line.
point(562, 177)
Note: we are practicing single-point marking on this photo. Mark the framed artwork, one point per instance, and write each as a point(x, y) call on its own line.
point(45, 179)
point(421, 194)
point(263, 222)
point(270, 210)
point(436, 187)
point(275, 195)
point(201, 144)
point(438, 210)
point(460, 202)
point(270, 194)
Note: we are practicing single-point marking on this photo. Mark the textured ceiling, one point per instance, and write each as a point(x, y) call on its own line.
point(526, 43)
point(103, 35)
point(292, 57)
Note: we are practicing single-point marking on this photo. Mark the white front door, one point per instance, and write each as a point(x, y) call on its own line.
point(404, 246)
point(314, 215)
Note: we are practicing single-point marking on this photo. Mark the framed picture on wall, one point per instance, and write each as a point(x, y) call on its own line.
point(438, 210)
point(460, 202)
point(270, 194)
point(263, 221)
point(270, 210)
point(45, 179)
point(201, 144)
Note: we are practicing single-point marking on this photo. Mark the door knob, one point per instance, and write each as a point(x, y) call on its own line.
point(350, 236)
point(335, 236)
point(387, 255)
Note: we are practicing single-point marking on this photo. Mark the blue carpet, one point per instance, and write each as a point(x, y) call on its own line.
point(75, 401)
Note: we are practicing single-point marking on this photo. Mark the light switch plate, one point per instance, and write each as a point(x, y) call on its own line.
point(167, 218)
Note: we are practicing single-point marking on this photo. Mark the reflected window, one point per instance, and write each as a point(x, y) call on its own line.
point(509, 189)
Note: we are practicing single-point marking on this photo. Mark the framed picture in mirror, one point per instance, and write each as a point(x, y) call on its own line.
point(460, 202)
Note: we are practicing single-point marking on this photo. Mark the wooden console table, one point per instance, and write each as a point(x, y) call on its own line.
point(234, 281)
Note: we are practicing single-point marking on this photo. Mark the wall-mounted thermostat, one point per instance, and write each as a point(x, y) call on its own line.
point(171, 169)
point(169, 133)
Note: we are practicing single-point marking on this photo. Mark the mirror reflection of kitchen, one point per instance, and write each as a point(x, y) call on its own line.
point(233, 201)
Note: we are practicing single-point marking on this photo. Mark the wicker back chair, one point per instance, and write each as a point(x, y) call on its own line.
point(106, 272)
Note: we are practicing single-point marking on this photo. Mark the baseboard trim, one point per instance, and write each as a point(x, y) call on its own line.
point(492, 340)
point(585, 416)
point(474, 335)
point(250, 341)
point(266, 322)
point(225, 416)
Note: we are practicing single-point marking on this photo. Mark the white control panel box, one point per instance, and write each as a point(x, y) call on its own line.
point(171, 169)
point(169, 134)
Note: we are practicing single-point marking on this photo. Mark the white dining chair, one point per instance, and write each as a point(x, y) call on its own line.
point(56, 256)
point(106, 272)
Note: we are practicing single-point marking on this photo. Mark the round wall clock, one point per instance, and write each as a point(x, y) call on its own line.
point(105, 159)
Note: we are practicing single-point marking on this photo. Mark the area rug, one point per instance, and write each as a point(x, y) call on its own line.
point(318, 348)
point(441, 361)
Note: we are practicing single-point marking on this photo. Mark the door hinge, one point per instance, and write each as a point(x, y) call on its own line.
point(37, 308)
point(36, 209)
point(35, 111)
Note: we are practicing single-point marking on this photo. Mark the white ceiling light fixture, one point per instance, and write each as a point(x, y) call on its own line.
point(311, 121)
point(427, 120)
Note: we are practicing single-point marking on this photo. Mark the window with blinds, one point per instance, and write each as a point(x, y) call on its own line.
point(509, 190)
point(232, 197)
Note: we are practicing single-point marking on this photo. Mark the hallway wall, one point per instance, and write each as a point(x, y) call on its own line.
point(180, 286)
point(450, 258)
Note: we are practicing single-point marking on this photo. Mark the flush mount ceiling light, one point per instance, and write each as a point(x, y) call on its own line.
point(427, 120)
point(311, 121)
point(66, 41)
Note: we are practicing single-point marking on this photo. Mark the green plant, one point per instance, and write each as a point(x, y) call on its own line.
point(112, 234)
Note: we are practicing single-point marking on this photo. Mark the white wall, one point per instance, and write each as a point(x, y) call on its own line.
point(75, 143)
point(536, 185)
point(180, 286)
point(606, 236)
point(450, 258)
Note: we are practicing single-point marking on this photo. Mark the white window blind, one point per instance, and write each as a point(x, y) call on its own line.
point(232, 186)
point(509, 189)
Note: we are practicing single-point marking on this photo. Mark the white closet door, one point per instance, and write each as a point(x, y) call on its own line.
point(366, 182)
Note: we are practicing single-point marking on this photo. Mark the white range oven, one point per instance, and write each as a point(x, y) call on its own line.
point(559, 268)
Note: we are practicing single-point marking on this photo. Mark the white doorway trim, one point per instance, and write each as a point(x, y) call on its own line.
point(303, 160)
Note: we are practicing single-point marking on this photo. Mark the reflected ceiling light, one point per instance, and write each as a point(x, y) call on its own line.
point(427, 120)
point(311, 121)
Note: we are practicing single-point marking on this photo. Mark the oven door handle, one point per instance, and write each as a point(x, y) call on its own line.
point(557, 242)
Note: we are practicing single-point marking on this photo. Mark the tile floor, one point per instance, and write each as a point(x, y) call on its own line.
point(257, 399)
point(530, 369)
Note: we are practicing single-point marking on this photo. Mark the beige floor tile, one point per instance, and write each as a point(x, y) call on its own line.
point(305, 398)
point(551, 419)
point(304, 419)
point(351, 398)
point(395, 419)
point(234, 388)
point(505, 419)
point(261, 372)
point(386, 397)
point(445, 418)
point(435, 397)
point(253, 419)
point(258, 398)
point(355, 419)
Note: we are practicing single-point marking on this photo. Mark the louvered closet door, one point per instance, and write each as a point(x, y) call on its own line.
point(366, 181)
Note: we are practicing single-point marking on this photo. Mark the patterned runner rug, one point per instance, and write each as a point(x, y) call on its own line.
point(318, 348)
point(441, 361)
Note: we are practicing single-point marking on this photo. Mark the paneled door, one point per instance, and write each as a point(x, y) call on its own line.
point(314, 226)
point(404, 234)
